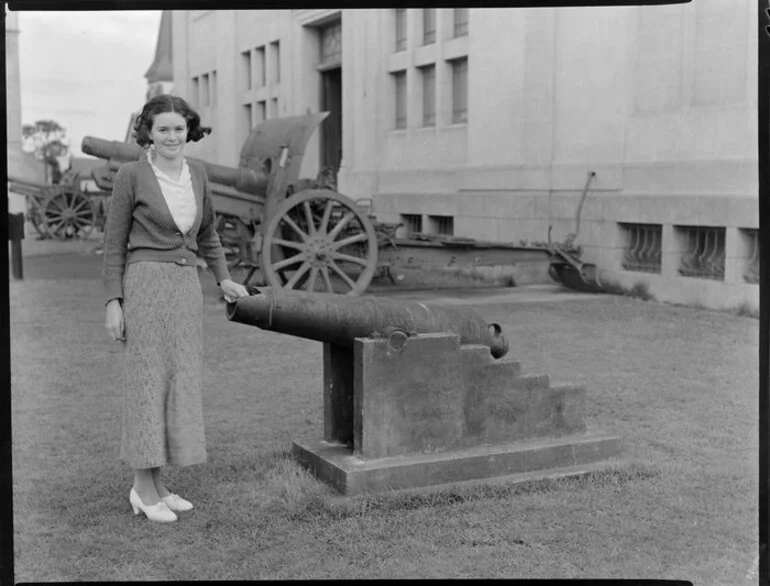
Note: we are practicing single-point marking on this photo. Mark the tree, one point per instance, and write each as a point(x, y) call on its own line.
point(47, 139)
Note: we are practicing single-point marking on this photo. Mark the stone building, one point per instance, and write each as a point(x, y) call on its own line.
point(486, 123)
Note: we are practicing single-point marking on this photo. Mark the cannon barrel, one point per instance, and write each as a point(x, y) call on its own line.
point(243, 179)
point(111, 149)
point(339, 319)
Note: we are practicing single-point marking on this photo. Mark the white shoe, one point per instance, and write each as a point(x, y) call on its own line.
point(177, 503)
point(159, 512)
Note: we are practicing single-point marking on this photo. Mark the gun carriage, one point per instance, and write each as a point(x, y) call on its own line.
point(68, 209)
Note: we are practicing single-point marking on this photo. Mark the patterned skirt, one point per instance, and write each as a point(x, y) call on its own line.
point(162, 416)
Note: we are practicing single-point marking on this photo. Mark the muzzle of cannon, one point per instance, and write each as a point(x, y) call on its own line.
point(417, 395)
point(339, 320)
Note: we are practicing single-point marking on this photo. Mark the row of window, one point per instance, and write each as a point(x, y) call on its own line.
point(458, 70)
point(702, 250)
point(260, 64)
point(459, 26)
point(439, 225)
point(257, 112)
point(204, 94)
point(204, 90)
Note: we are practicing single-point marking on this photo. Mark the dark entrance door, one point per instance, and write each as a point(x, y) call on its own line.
point(331, 128)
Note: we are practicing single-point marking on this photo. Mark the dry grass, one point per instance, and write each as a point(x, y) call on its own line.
point(745, 309)
point(677, 384)
point(639, 290)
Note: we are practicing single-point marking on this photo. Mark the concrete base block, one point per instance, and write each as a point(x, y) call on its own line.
point(336, 465)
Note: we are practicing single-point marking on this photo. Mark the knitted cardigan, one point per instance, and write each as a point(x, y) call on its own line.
point(140, 226)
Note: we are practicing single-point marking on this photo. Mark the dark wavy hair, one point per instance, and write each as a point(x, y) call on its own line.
point(168, 103)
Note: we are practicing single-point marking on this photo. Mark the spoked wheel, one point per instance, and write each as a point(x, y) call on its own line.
point(34, 215)
point(235, 236)
point(68, 213)
point(320, 241)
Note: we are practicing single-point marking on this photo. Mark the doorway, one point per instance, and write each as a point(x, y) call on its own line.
point(331, 129)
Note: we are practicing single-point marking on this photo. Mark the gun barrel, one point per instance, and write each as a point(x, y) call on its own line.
point(242, 179)
point(111, 149)
point(339, 319)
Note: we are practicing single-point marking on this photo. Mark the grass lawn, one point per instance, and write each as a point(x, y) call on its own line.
point(678, 384)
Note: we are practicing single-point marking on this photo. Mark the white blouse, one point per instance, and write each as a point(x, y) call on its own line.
point(178, 194)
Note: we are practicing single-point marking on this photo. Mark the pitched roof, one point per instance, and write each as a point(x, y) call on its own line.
point(162, 66)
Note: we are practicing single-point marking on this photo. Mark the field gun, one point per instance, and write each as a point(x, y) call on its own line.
point(270, 220)
point(68, 209)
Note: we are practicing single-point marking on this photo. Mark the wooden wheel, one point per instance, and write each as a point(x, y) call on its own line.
point(318, 240)
point(34, 215)
point(236, 238)
point(68, 213)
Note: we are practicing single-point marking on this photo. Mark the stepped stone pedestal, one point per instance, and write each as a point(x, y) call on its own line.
point(428, 411)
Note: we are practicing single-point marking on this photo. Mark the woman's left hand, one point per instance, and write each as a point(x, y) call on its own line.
point(232, 290)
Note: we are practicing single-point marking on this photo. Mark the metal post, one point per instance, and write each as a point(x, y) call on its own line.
point(16, 263)
point(16, 235)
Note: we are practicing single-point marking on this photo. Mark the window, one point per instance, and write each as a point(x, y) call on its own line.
point(642, 250)
point(194, 91)
point(246, 120)
point(750, 238)
point(261, 112)
point(460, 22)
point(275, 65)
point(412, 223)
point(442, 225)
point(246, 70)
point(331, 44)
point(213, 88)
point(459, 90)
point(428, 95)
point(399, 79)
point(428, 26)
point(260, 74)
point(400, 29)
point(205, 98)
point(703, 253)
point(274, 108)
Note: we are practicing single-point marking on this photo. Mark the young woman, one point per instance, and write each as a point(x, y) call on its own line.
point(160, 218)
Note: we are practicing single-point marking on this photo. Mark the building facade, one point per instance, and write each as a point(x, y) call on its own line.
point(488, 123)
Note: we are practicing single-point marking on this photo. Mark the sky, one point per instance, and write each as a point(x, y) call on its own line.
point(85, 69)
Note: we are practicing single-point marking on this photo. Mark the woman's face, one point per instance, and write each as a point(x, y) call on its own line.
point(169, 134)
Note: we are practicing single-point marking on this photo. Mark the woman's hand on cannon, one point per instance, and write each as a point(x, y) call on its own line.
point(114, 322)
point(232, 290)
